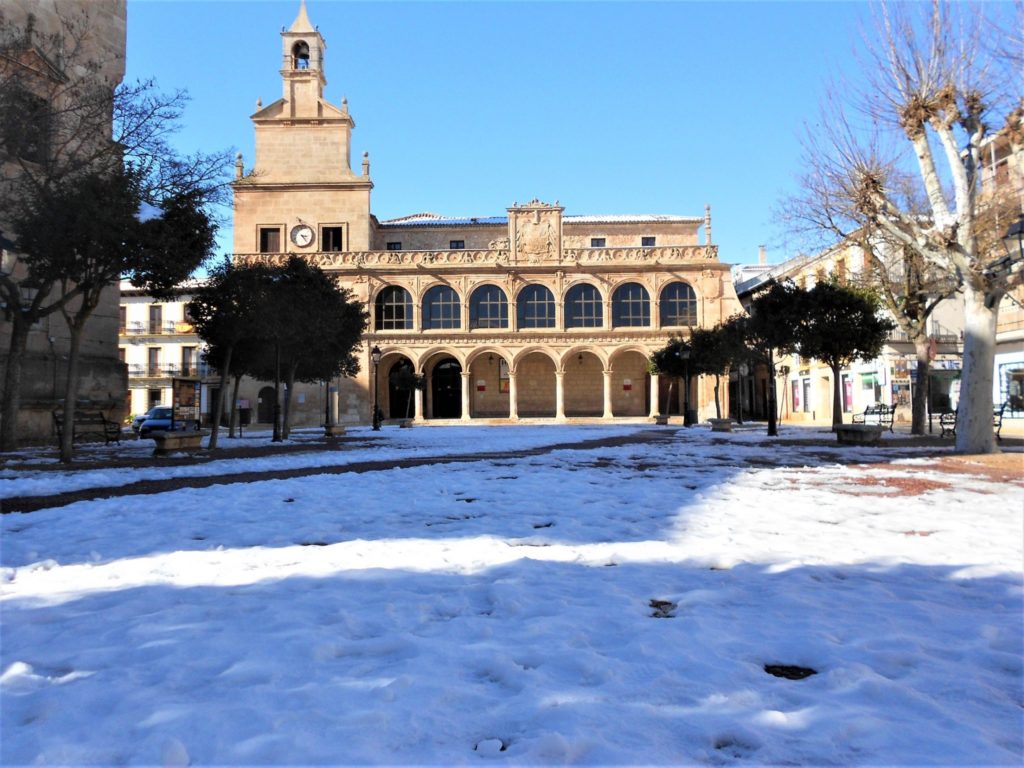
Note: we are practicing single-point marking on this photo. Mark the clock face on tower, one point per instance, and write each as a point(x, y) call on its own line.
point(302, 235)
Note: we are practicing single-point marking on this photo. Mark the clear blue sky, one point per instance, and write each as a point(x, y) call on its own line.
point(466, 107)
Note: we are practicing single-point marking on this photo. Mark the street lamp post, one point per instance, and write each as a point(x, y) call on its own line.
point(1013, 240)
point(743, 371)
point(375, 356)
point(685, 355)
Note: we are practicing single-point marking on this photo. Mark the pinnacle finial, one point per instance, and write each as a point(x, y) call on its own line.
point(707, 224)
point(301, 23)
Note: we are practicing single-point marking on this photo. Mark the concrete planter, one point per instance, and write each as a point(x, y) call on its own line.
point(173, 442)
point(721, 425)
point(859, 434)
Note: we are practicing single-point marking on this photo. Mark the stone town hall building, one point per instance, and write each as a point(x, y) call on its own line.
point(532, 314)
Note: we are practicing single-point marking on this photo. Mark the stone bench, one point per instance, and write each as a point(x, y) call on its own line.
point(859, 434)
point(720, 425)
point(177, 440)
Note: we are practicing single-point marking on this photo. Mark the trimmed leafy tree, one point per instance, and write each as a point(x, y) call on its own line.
point(840, 324)
point(775, 318)
point(80, 156)
point(311, 327)
point(84, 236)
point(714, 352)
point(224, 312)
point(669, 361)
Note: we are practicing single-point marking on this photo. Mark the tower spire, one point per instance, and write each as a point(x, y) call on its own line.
point(301, 24)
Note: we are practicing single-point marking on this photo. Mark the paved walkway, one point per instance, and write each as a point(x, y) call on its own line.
point(1010, 465)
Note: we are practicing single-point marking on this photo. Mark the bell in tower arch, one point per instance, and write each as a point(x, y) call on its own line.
point(300, 55)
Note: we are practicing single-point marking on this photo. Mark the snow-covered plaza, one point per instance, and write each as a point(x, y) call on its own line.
point(549, 595)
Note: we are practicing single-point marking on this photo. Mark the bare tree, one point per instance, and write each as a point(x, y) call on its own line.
point(64, 127)
point(933, 86)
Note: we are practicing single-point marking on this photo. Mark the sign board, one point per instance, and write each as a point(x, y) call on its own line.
point(185, 395)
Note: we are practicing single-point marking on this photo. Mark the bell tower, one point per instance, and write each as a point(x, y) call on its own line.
point(301, 193)
point(302, 67)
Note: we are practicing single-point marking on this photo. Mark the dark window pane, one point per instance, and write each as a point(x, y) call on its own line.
point(330, 239)
point(647, 242)
point(393, 309)
point(536, 307)
point(631, 306)
point(678, 305)
point(597, 242)
point(395, 245)
point(488, 308)
point(583, 307)
point(441, 308)
point(456, 245)
point(270, 240)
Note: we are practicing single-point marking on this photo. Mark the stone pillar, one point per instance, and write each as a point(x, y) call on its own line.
point(559, 394)
point(655, 396)
point(608, 394)
point(417, 398)
point(513, 407)
point(334, 404)
point(465, 395)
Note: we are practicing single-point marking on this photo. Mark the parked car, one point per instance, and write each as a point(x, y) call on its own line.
point(137, 420)
point(158, 420)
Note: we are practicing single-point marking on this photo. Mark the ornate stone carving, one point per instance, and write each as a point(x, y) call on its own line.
point(537, 243)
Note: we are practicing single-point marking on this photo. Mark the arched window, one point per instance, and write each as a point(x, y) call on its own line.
point(300, 55)
point(583, 308)
point(488, 308)
point(631, 306)
point(393, 309)
point(441, 308)
point(678, 305)
point(535, 307)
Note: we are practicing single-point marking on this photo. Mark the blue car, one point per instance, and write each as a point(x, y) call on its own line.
point(159, 420)
point(137, 420)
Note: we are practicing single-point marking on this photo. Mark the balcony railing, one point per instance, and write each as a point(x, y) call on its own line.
point(156, 329)
point(899, 336)
point(163, 371)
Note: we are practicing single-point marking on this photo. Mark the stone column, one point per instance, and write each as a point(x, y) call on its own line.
point(560, 394)
point(417, 398)
point(465, 395)
point(655, 396)
point(513, 407)
point(608, 394)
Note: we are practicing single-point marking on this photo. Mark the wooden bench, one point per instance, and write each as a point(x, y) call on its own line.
point(88, 424)
point(880, 415)
point(947, 421)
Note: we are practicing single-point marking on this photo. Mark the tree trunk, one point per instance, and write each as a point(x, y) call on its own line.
point(919, 401)
point(276, 437)
point(235, 415)
point(12, 384)
point(290, 389)
point(718, 407)
point(974, 432)
point(218, 406)
point(773, 419)
point(837, 398)
point(71, 392)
